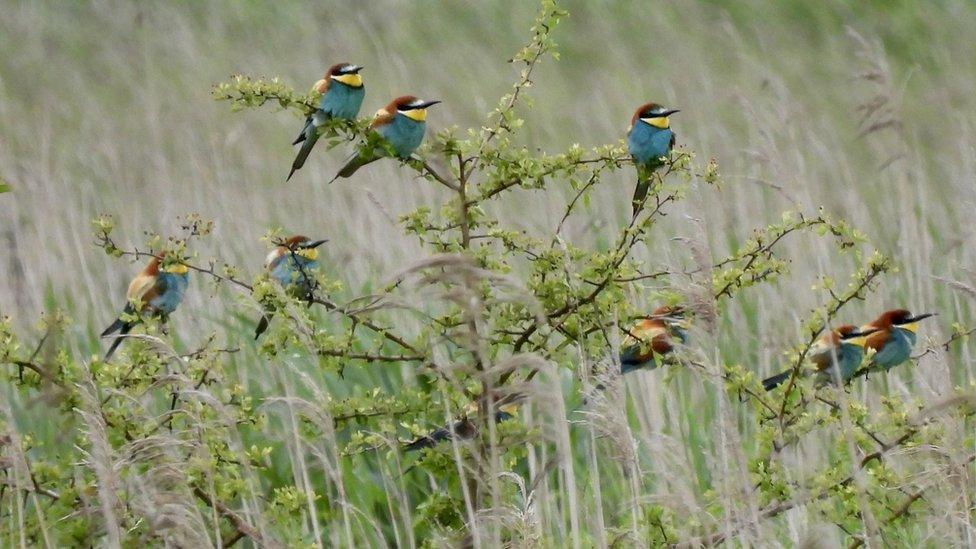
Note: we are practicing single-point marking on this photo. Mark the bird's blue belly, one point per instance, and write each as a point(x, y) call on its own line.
point(896, 350)
point(648, 144)
point(167, 301)
point(341, 101)
point(294, 269)
point(849, 357)
point(404, 134)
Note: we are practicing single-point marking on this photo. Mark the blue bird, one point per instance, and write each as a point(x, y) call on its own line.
point(400, 125)
point(156, 290)
point(893, 339)
point(651, 338)
point(649, 140)
point(838, 352)
point(342, 92)
point(293, 265)
point(464, 428)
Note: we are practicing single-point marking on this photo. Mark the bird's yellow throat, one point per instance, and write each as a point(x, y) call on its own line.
point(658, 122)
point(310, 254)
point(177, 268)
point(419, 115)
point(354, 80)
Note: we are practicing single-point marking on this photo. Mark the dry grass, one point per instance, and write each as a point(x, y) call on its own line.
point(106, 109)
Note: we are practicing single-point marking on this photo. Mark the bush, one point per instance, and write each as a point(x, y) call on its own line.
point(163, 446)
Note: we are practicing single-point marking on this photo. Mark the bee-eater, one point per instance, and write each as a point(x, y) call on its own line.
point(292, 264)
point(342, 95)
point(840, 350)
point(401, 125)
point(893, 339)
point(652, 337)
point(463, 428)
point(158, 289)
point(649, 140)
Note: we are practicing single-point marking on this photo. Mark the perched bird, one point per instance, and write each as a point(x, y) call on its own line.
point(400, 125)
point(157, 290)
point(342, 95)
point(292, 264)
point(649, 140)
point(893, 339)
point(464, 428)
point(652, 337)
point(840, 349)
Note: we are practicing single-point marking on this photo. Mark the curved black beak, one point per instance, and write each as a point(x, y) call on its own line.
point(355, 69)
point(670, 112)
point(316, 244)
point(426, 104)
point(918, 317)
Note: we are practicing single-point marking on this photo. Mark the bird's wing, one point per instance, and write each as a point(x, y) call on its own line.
point(641, 334)
point(822, 358)
point(139, 287)
point(674, 139)
point(653, 341)
point(661, 344)
point(877, 340)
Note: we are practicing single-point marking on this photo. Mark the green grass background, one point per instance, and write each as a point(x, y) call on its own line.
point(105, 108)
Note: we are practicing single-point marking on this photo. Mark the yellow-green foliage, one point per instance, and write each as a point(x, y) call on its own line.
point(197, 436)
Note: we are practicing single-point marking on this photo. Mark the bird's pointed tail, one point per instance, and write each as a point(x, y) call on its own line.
point(640, 193)
point(303, 154)
point(356, 161)
point(301, 136)
point(123, 330)
point(262, 326)
point(119, 323)
point(429, 441)
point(772, 382)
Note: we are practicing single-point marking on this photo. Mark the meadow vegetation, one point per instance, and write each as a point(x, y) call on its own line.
point(823, 174)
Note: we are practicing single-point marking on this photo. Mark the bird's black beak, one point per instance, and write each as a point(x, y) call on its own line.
point(670, 112)
point(316, 244)
point(355, 69)
point(917, 318)
point(426, 104)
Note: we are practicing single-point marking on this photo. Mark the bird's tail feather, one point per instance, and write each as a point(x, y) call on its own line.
point(640, 193)
point(119, 323)
point(772, 382)
point(262, 326)
point(303, 154)
point(113, 327)
point(301, 136)
point(355, 162)
point(429, 441)
point(123, 331)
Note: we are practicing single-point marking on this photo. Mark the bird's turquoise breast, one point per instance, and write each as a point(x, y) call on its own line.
point(404, 134)
point(174, 287)
point(647, 144)
point(294, 269)
point(849, 357)
point(896, 350)
point(342, 101)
